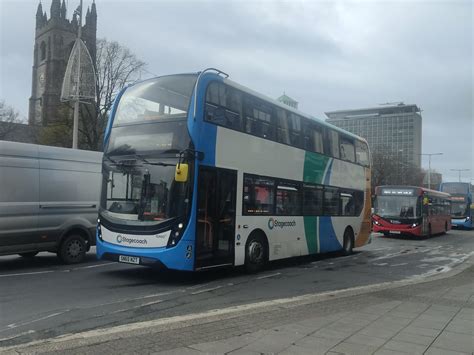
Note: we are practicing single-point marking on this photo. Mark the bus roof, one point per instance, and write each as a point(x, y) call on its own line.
point(268, 99)
point(287, 108)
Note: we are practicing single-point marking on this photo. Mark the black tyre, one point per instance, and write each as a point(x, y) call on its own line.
point(256, 253)
point(445, 227)
point(72, 249)
point(28, 255)
point(430, 234)
point(348, 246)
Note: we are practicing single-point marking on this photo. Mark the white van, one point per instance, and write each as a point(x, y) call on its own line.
point(49, 199)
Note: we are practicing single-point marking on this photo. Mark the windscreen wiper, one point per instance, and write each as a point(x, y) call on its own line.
point(150, 163)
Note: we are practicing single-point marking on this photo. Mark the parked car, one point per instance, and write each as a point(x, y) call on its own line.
point(49, 200)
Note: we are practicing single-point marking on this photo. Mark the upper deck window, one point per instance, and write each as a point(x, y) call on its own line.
point(161, 98)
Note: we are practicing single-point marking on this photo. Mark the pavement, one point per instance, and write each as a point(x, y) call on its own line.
point(434, 315)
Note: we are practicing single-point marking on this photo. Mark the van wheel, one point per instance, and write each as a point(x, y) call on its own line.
point(347, 248)
point(255, 253)
point(73, 249)
point(28, 255)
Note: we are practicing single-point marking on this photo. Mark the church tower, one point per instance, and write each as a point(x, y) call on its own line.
point(54, 39)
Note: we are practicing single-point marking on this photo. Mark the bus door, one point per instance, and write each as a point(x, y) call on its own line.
point(216, 217)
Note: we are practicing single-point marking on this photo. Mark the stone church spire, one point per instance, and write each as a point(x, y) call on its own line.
point(63, 10)
point(39, 16)
point(56, 9)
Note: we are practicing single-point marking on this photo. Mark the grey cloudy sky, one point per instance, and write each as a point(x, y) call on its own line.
point(328, 55)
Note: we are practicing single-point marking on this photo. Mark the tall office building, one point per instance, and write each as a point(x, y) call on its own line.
point(394, 130)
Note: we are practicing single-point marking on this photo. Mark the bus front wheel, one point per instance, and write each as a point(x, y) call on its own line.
point(255, 253)
point(347, 248)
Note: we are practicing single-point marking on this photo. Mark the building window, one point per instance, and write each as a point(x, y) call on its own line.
point(43, 51)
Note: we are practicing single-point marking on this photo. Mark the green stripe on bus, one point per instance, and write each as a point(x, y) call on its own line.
point(314, 167)
point(311, 234)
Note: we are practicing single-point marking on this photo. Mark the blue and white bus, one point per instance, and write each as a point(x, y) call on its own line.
point(201, 172)
point(461, 203)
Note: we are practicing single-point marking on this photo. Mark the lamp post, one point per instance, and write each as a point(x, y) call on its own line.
point(459, 171)
point(75, 127)
point(429, 166)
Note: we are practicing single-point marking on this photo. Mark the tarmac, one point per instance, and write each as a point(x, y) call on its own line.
point(434, 315)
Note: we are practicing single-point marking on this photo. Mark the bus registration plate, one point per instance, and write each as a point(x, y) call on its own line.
point(129, 259)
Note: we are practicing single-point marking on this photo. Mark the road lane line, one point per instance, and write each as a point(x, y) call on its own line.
point(93, 266)
point(17, 335)
point(131, 299)
point(27, 273)
point(401, 264)
point(135, 307)
point(267, 276)
point(16, 325)
point(206, 290)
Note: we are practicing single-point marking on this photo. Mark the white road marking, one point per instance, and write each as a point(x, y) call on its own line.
point(93, 266)
point(27, 273)
point(133, 299)
point(16, 325)
point(267, 276)
point(198, 286)
point(17, 335)
point(401, 264)
point(135, 307)
point(206, 290)
point(380, 264)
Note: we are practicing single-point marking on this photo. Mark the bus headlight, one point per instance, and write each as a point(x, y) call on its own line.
point(376, 223)
point(175, 235)
point(415, 225)
point(99, 230)
point(468, 219)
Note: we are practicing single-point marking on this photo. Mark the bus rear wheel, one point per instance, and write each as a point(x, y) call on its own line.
point(255, 253)
point(348, 243)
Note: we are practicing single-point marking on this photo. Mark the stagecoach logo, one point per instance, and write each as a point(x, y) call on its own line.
point(125, 240)
point(273, 223)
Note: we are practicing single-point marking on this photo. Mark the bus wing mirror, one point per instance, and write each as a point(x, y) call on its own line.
point(181, 172)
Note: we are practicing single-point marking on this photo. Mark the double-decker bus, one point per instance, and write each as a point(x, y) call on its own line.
point(201, 172)
point(411, 210)
point(462, 208)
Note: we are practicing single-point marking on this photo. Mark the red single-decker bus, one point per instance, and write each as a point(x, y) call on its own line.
point(411, 210)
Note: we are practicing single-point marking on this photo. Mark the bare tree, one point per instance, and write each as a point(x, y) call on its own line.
point(8, 120)
point(389, 169)
point(116, 67)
